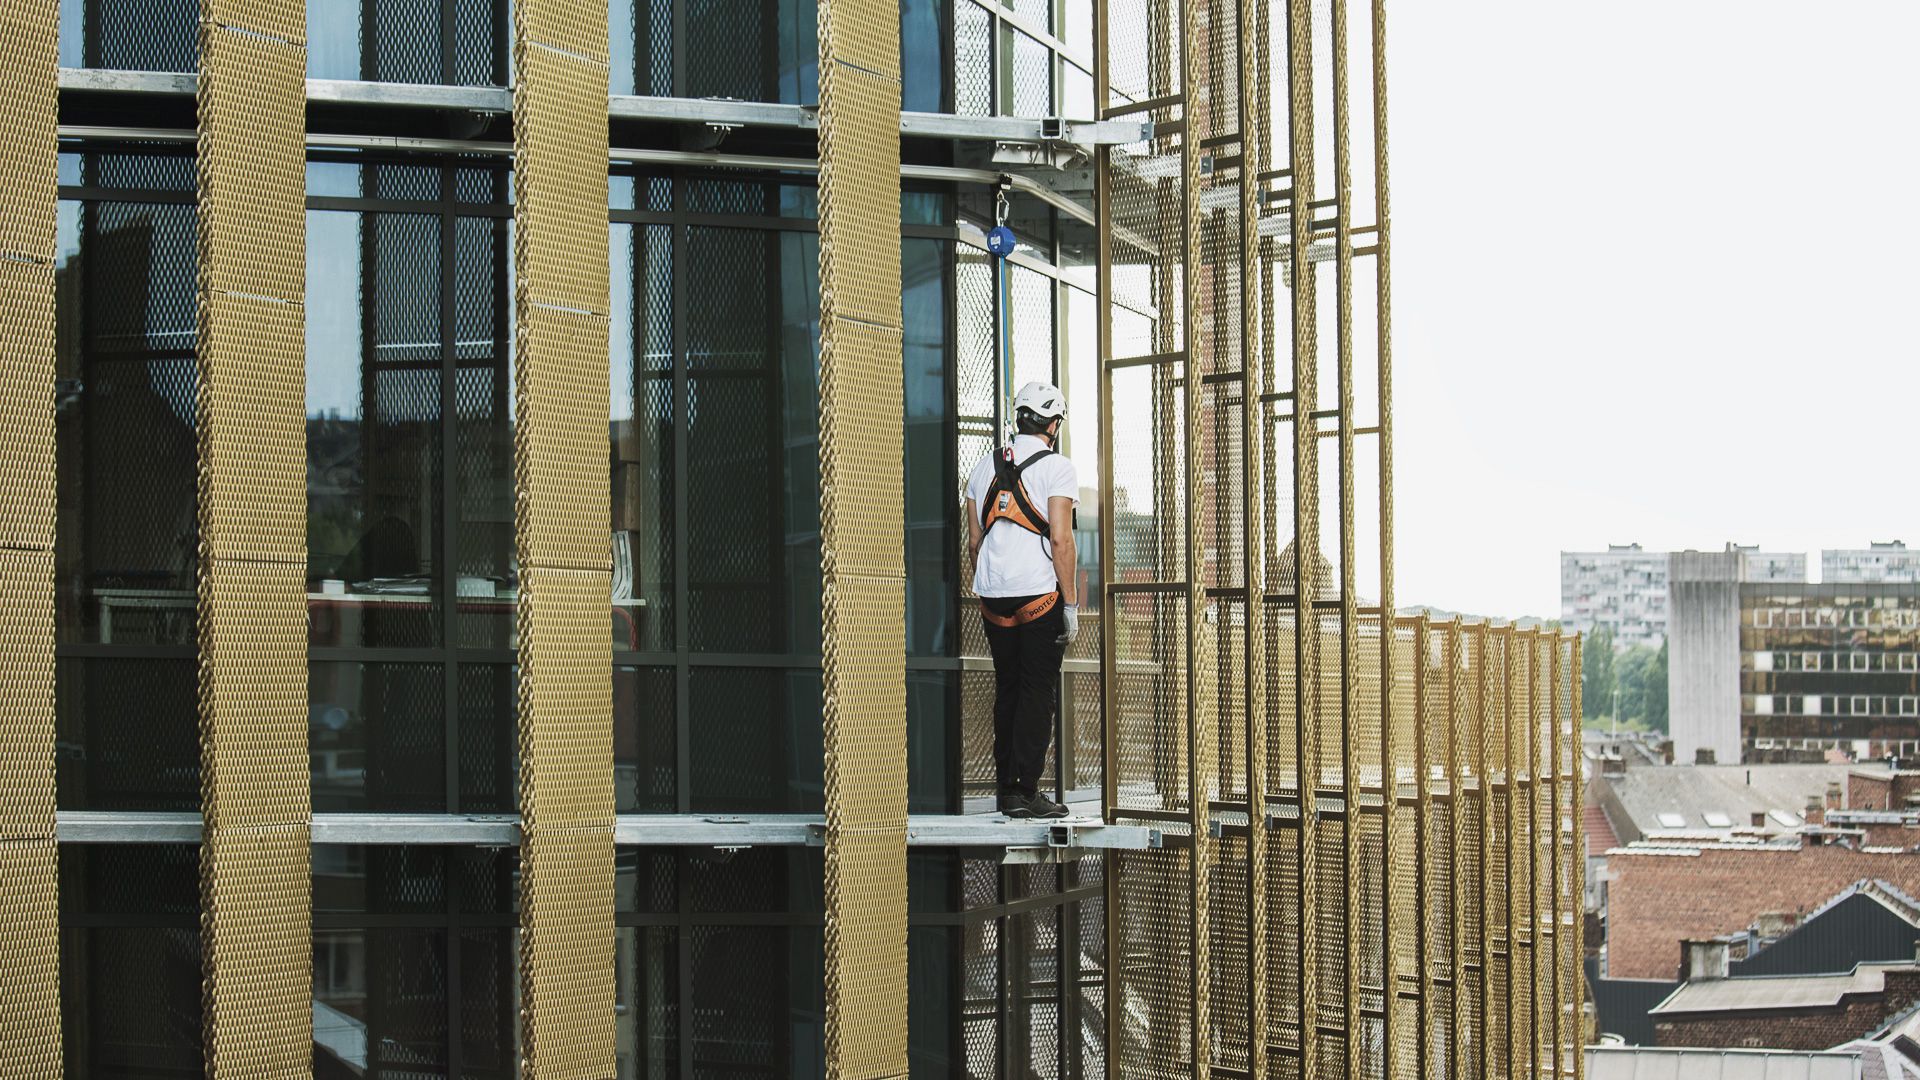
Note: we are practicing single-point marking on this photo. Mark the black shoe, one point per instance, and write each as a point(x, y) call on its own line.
point(1014, 805)
point(1042, 807)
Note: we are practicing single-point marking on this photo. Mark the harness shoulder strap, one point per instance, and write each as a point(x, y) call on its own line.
point(1008, 479)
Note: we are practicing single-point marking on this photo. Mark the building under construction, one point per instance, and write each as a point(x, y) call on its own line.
point(313, 761)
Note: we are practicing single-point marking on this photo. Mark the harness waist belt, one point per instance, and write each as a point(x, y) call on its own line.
point(1028, 612)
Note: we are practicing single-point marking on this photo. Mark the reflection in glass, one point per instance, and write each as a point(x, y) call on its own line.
point(125, 400)
point(482, 466)
point(373, 428)
point(377, 737)
point(413, 961)
point(403, 41)
point(756, 740)
point(753, 561)
point(641, 413)
point(754, 50)
point(647, 999)
point(926, 270)
point(130, 961)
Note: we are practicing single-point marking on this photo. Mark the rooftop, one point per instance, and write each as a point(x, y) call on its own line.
point(1752, 993)
point(1673, 800)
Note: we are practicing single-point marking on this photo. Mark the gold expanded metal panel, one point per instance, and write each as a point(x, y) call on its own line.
point(560, 535)
point(1371, 811)
point(254, 859)
point(29, 912)
point(862, 566)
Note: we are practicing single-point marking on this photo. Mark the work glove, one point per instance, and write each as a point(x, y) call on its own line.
point(1072, 614)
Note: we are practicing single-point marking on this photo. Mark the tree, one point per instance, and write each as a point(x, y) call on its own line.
point(1656, 691)
point(1596, 674)
point(1629, 677)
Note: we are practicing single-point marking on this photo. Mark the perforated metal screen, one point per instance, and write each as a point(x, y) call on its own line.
point(561, 538)
point(862, 565)
point(29, 913)
point(254, 857)
point(1369, 859)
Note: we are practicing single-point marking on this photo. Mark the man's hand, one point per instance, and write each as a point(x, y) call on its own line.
point(1072, 614)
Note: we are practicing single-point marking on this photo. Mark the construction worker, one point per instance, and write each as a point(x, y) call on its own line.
point(1020, 502)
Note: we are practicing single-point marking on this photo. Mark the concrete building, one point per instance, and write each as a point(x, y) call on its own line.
point(1622, 589)
point(1703, 701)
point(1625, 589)
point(1878, 561)
point(1760, 670)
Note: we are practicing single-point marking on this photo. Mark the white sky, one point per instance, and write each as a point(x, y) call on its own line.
point(1655, 279)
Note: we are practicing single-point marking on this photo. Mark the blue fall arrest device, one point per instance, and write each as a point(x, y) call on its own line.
point(1000, 243)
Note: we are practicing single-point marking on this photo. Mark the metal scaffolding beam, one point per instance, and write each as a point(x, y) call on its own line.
point(705, 112)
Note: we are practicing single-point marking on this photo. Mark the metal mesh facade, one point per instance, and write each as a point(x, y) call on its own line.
point(251, 609)
point(1370, 846)
point(566, 708)
point(863, 661)
point(29, 914)
point(1353, 833)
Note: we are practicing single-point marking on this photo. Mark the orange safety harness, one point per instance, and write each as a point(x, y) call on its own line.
point(1007, 500)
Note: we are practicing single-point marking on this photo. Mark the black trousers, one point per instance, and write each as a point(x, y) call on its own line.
point(1026, 668)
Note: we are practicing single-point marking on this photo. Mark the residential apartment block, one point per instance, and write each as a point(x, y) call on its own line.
point(1888, 561)
point(1624, 589)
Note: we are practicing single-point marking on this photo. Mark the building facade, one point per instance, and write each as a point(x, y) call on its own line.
point(1622, 590)
point(1877, 562)
point(1780, 667)
point(1831, 666)
point(1625, 590)
point(315, 759)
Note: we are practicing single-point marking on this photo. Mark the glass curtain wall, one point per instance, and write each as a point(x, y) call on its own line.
point(714, 612)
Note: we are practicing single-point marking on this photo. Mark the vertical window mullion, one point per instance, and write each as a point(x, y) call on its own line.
point(682, 416)
point(449, 493)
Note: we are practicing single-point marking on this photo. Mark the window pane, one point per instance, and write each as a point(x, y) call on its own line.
point(923, 65)
point(930, 721)
point(756, 740)
point(131, 35)
point(128, 734)
point(130, 960)
point(753, 563)
point(373, 429)
point(640, 427)
point(757, 1006)
point(377, 737)
point(127, 448)
point(648, 989)
point(644, 761)
point(402, 41)
point(483, 432)
point(927, 270)
point(486, 733)
point(755, 50)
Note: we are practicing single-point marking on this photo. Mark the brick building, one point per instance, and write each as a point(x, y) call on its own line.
point(1800, 1012)
point(1660, 897)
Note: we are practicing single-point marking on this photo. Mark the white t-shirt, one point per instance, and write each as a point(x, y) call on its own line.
point(1013, 561)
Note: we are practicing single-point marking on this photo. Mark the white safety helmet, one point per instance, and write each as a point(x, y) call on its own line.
point(1043, 399)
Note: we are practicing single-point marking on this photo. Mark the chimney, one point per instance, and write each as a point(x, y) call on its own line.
point(1613, 763)
point(1705, 960)
point(1816, 810)
point(1759, 819)
point(1769, 925)
point(1703, 755)
point(1833, 796)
